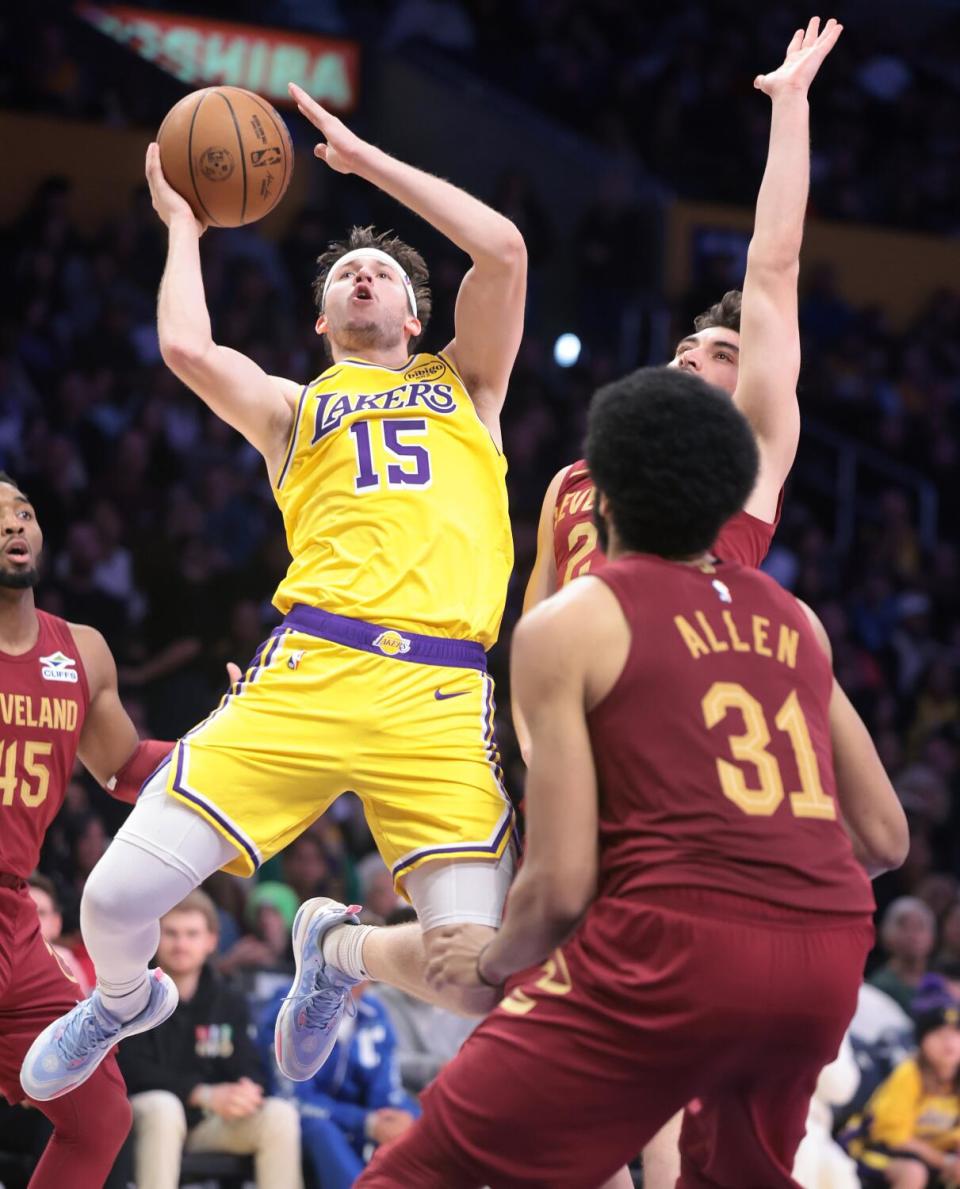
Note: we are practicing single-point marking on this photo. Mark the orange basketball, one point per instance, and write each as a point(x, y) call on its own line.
point(228, 152)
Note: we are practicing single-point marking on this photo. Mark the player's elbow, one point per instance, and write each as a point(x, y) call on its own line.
point(185, 357)
point(775, 263)
point(890, 852)
point(885, 845)
point(508, 249)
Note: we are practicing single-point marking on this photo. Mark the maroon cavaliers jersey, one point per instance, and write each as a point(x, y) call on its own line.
point(713, 749)
point(744, 538)
point(43, 702)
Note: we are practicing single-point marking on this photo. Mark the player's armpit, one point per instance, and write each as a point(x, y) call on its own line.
point(870, 807)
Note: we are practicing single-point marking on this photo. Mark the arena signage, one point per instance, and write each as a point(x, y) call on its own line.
point(204, 52)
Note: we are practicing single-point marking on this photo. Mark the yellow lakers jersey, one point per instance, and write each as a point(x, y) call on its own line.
point(394, 502)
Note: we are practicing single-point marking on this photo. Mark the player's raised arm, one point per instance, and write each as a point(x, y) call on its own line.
point(769, 333)
point(869, 805)
point(489, 313)
point(239, 391)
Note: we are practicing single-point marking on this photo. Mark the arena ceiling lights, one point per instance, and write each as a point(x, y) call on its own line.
point(202, 52)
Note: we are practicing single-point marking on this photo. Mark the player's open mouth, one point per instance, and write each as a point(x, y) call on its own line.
point(17, 551)
point(362, 293)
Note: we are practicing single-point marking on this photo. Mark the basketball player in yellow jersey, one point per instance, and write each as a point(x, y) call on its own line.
point(389, 473)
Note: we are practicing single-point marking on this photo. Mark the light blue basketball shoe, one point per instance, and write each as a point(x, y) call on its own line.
point(69, 1050)
point(310, 1016)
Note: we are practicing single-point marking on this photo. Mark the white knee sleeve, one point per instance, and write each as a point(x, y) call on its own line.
point(162, 852)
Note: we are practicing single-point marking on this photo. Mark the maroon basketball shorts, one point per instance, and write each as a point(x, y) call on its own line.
point(34, 988)
point(689, 999)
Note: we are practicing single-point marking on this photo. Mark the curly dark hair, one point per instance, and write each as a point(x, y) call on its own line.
point(725, 313)
point(674, 457)
point(408, 258)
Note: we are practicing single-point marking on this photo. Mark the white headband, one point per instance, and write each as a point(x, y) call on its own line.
point(384, 259)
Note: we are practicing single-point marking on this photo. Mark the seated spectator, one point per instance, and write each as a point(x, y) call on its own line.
point(44, 896)
point(195, 1082)
point(427, 1036)
point(356, 1101)
point(907, 934)
point(939, 987)
point(310, 870)
point(378, 895)
point(950, 934)
point(270, 910)
point(909, 1133)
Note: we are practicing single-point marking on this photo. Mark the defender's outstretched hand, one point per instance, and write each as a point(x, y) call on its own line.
point(805, 53)
point(167, 202)
point(343, 147)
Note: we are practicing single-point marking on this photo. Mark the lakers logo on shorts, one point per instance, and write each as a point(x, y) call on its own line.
point(392, 643)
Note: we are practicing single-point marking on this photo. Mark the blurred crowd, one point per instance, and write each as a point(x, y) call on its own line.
point(658, 88)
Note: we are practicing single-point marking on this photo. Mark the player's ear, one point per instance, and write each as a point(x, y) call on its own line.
point(412, 326)
point(320, 326)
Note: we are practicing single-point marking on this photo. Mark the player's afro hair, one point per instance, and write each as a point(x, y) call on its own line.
point(673, 456)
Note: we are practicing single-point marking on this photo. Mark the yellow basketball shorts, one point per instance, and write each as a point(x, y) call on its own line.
point(330, 705)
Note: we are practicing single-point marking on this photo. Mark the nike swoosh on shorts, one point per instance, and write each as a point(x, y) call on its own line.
point(442, 697)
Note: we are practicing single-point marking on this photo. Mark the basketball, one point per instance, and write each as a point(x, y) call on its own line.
point(228, 153)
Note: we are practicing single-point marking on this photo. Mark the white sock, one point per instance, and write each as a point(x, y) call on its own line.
point(125, 1000)
point(342, 947)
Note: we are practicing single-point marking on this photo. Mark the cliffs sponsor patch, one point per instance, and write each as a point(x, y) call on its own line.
point(426, 371)
point(59, 667)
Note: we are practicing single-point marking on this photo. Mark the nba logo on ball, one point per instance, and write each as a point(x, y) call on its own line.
point(392, 643)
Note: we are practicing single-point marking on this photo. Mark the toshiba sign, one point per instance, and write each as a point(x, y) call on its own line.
point(206, 52)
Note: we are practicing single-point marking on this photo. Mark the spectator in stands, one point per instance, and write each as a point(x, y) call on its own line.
point(427, 1036)
point(907, 933)
point(271, 907)
point(44, 895)
point(309, 869)
point(196, 1082)
point(356, 1101)
point(909, 1133)
point(377, 892)
point(950, 934)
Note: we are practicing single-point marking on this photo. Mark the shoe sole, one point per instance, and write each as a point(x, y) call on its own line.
point(99, 1061)
point(301, 925)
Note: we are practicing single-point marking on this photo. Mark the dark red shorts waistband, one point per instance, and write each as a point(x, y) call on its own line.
point(14, 882)
point(725, 905)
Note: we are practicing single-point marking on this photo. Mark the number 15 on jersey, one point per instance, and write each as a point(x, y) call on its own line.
point(406, 458)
